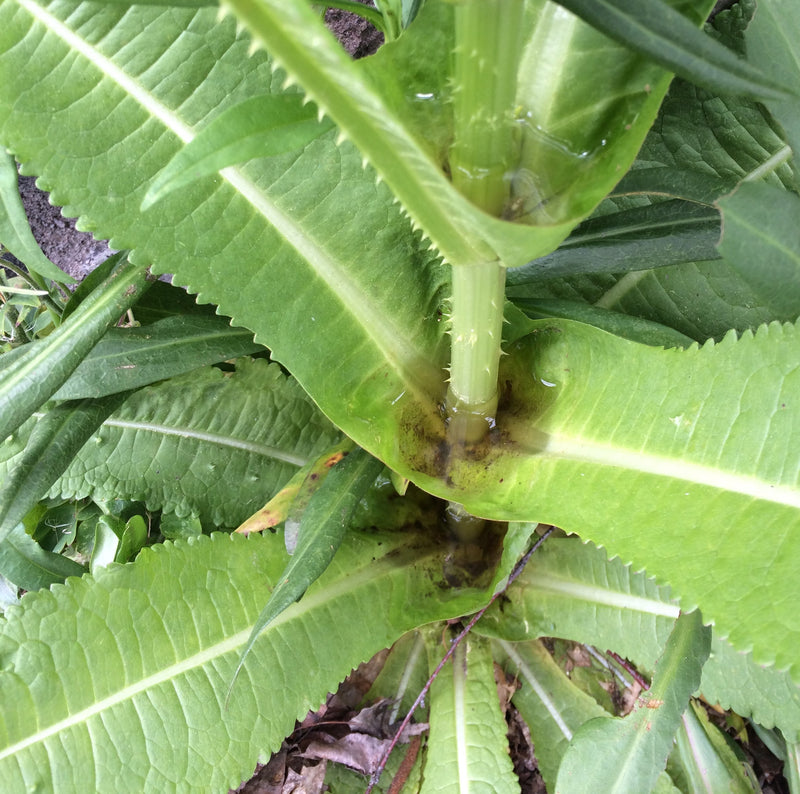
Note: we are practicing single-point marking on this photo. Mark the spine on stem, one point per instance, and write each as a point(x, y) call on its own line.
point(488, 46)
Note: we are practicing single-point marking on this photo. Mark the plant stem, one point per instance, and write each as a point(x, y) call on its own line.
point(488, 45)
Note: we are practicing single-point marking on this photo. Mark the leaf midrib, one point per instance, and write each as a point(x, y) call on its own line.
point(232, 442)
point(673, 468)
point(348, 583)
point(411, 365)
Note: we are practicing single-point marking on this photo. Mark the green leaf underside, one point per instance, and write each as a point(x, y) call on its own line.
point(259, 127)
point(626, 755)
point(178, 445)
point(467, 746)
point(326, 280)
point(178, 618)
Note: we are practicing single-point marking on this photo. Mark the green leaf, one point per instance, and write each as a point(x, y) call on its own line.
point(258, 127)
point(627, 755)
point(127, 358)
point(772, 43)
point(319, 307)
point(178, 445)
point(55, 440)
point(706, 758)
point(29, 566)
point(178, 618)
point(322, 529)
point(36, 375)
point(666, 452)
point(570, 590)
point(655, 29)
point(761, 240)
point(633, 328)
point(132, 540)
point(551, 705)
point(570, 173)
point(15, 232)
point(106, 542)
point(467, 746)
point(641, 238)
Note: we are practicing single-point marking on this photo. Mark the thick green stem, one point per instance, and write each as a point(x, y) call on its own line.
point(477, 329)
point(488, 46)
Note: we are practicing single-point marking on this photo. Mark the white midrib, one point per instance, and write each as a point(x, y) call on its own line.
point(390, 340)
point(530, 679)
point(212, 438)
point(679, 469)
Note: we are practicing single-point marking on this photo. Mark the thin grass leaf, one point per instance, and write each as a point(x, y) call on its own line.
point(654, 29)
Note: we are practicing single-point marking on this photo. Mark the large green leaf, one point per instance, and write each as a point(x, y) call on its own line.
point(210, 444)
point(117, 682)
point(274, 243)
point(571, 590)
point(670, 458)
point(467, 747)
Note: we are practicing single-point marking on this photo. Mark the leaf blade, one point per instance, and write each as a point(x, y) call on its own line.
point(322, 529)
point(35, 375)
point(634, 750)
point(258, 127)
point(658, 31)
point(222, 578)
